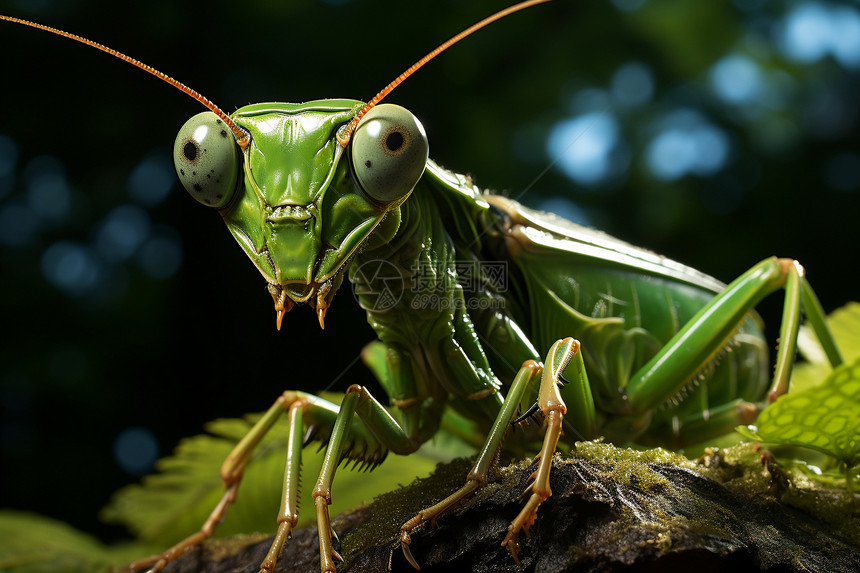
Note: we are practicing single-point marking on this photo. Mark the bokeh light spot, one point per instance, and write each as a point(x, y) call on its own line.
point(736, 79)
point(71, 267)
point(813, 30)
point(632, 85)
point(48, 192)
point(584, 146)
point(686, 144)
point(160, 256)
point(564, 208)
point(135, 450)
point(151, 181)
point(628, 5)
point(121, 232)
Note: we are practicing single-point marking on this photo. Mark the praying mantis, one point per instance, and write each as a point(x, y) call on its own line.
point(218, 303)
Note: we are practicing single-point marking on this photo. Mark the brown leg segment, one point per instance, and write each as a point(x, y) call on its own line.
point(540, 487)
point(231, 474)
point(553, 407)
point(160, 561)
point(478, 476)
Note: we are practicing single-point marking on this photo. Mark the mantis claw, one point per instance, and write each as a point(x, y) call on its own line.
point(335, 544)
point(404, 546)
point(513, 545)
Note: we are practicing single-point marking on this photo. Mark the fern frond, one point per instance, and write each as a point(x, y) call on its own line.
point(35, 544)
point(175, 502)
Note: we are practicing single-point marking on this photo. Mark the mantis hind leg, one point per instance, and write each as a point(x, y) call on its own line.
point(679, 365)
point(707, 333)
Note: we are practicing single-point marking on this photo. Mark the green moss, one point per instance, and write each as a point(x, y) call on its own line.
point(383, 525)
point(630, 466)
point(658, 512)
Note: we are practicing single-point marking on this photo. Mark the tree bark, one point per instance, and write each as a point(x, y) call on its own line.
point(611, 510)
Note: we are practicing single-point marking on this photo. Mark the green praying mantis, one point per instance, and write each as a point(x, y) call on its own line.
point(337, 218)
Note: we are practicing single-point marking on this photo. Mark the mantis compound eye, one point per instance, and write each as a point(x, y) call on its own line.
point(389, 152)
point(206, 159)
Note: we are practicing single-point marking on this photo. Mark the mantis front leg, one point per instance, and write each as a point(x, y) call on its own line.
point(348, 435)
point(231, 473)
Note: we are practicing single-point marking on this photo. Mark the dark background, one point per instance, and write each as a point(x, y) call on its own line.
point(84, 360)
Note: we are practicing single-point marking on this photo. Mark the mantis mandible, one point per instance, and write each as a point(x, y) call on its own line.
point(565, 349)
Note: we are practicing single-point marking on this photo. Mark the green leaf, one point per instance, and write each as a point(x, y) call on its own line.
point(825, 418)
point(844, 323)
point(35, 544)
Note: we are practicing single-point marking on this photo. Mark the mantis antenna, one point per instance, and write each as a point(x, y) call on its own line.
point(242, 138)
point(344, 136)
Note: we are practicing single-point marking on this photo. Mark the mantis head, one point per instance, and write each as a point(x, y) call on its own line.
point(275, 173)
point(297, 207)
